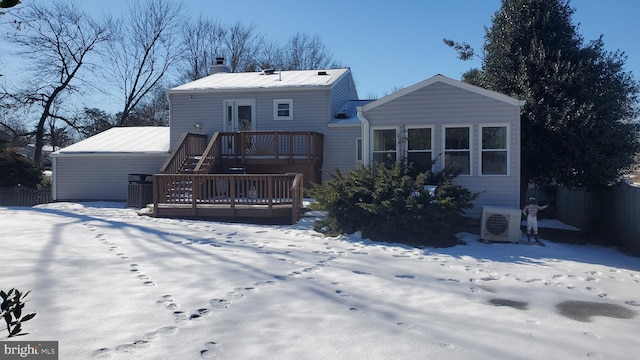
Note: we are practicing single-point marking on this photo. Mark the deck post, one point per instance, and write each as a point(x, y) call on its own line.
point(195, 195)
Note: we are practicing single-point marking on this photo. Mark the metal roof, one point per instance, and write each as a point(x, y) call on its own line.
point(311, 79)
point(123, 140)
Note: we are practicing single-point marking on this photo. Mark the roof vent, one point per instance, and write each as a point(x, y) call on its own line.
point(322, 73)
point(342, 115)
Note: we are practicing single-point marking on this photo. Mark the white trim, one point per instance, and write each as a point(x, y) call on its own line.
point(508, 148)
point(54, 179)
point(471, 145)
point(235, 103)
point(101, 154)
point(421, 126)
point(277, 102)
point(382, 127)
point(443, 79)
point(366, 137)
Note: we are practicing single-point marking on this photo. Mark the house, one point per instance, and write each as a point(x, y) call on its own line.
point(310, 122)
point(300, 101)
point(453, 123)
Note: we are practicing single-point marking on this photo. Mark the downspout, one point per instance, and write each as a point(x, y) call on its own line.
point(54, 180)
point(365, 136)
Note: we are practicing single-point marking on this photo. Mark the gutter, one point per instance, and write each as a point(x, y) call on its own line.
point(365, 136)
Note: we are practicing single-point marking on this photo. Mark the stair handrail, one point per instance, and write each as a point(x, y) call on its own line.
point(210, 157)
point(181, 151)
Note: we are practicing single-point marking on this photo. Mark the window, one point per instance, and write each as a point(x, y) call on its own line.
point(494, 150)
point(457, 149)
point(384, 147)
point(419, 148)
point(283, 109)
point(359, 150)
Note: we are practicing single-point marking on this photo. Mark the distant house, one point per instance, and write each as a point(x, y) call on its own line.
point(312, 122)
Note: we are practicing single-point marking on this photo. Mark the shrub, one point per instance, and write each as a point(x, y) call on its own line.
point(17, 169)
point(11, 311)
point(393, 203)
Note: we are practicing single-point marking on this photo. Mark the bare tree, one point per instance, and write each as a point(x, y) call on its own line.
point(203, 40)
point(270, 56)
point(242, 45)
point(306, 52)
point(56, 42)
point(145, 51)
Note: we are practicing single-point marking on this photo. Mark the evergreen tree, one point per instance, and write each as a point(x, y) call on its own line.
point(578, 123)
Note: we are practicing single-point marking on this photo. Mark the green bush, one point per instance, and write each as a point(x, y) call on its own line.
point(17, 169)
point(11, 310)
point(393, 204)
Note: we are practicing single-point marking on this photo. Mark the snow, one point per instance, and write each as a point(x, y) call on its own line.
point(123, 140)
point(258, 80)
point(108, 283)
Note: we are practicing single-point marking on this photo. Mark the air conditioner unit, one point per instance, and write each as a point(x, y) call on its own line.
point(500, 224)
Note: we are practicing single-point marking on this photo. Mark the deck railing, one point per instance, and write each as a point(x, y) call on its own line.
point(222, 195)
point(278, 145)
point(189, 145)
point(210, 156)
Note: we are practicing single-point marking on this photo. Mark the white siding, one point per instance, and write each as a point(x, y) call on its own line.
point(441, 105)
point(341, 92)
point(312, 107)
point(312, 111)
point(340, 150)
point(100, 177)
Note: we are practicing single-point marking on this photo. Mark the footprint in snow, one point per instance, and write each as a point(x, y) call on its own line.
point(219, 303)
point(133, 347)
point(208, 353)
point(359, 272)
point(406, 276)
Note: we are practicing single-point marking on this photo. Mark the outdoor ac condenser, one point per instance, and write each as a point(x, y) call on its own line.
point(500, 224)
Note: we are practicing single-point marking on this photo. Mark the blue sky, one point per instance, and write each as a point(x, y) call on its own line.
point(389, 45)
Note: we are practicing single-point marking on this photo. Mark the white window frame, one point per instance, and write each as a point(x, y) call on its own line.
point(470, 149)
point(359, 150)
point(277, 102)
point(373, 130)
point(432, 150)
point(482, 151)
point(235, 103)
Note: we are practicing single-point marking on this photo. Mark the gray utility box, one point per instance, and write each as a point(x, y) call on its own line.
point(140, 190)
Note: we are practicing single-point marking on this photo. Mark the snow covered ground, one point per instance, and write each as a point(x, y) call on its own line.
point(108, 283)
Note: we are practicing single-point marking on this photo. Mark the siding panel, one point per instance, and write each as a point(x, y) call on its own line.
point(441, 105)
point(100, 177)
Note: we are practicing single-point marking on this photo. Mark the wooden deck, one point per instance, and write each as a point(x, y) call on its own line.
point(239, 176)
point(265, 198)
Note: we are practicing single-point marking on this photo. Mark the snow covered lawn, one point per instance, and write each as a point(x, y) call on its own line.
point(108, 283)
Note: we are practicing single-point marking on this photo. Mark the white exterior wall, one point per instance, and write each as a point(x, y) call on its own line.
point(340, 149)
point(99, 177)
point(312, 111)
point(440, 105)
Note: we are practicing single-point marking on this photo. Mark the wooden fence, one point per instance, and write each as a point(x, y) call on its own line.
point(612, 214)
point(22, 196)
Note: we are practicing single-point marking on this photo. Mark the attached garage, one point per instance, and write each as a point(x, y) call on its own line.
point(98, 168)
